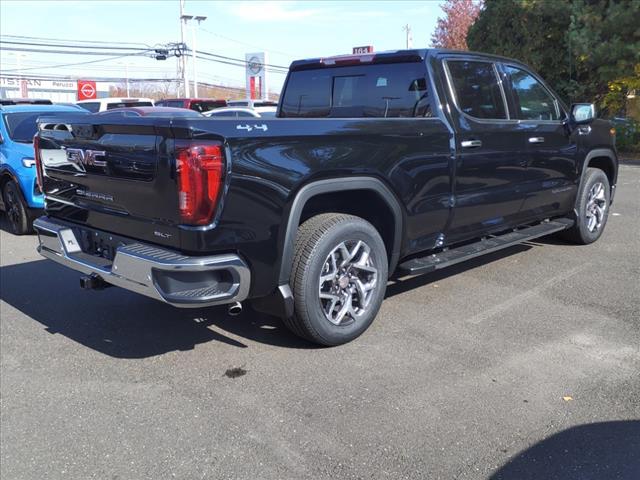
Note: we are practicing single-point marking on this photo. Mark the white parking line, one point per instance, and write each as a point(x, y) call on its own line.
point(519, 299)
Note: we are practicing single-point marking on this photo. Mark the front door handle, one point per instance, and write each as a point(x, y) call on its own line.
point(536, 139)
point(471, 143)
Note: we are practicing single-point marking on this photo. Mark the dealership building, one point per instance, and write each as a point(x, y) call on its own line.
point(54, 90)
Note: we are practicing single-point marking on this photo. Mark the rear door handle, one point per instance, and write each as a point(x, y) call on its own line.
point(471, 143)
point(536, 139)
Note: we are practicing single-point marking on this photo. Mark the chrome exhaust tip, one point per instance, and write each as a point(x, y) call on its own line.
point(235, 309)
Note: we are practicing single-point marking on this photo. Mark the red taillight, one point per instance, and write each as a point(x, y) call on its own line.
point(200, 168)
point(38, 159)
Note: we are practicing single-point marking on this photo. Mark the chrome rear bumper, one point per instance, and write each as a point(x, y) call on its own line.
point(163, 274)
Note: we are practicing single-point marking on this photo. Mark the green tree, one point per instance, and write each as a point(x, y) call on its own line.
point(588, 50)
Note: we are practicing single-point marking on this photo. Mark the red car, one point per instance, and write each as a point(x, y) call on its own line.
point(198, 104)
point(150, 112)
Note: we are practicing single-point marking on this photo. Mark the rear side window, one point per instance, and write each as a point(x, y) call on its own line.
point(91, 106)
point(396, 90)
point(477, 90)
point(532, 100)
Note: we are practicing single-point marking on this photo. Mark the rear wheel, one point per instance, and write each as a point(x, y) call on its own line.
point(16, 209)
point(339, 277)
point(592, 208)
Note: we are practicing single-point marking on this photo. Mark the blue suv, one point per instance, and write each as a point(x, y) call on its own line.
point(20, 197)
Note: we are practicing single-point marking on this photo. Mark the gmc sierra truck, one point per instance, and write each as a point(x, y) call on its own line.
point(378, 165)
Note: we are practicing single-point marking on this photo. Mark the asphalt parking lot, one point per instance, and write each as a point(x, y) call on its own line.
point(523, 364)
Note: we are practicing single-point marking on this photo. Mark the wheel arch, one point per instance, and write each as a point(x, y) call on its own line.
point(304, 197)
point(7, 175)
point(606, 160)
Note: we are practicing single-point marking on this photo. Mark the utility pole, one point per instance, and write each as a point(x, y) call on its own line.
point(183, 59)
point(409, 37)
point(126, 75)
point(199, 19)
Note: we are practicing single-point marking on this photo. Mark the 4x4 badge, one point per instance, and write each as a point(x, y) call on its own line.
point(248, 128)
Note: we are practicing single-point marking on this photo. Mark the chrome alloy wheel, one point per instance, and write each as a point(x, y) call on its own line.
point(596, 207)
point(347, 282)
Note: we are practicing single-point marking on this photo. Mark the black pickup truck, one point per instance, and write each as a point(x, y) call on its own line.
point(378, 165)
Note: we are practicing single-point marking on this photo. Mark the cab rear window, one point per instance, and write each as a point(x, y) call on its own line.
point(398, 90)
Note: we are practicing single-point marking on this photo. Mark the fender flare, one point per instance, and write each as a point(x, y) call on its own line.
point(601, 152)
point(338, 185)
point(613, 159)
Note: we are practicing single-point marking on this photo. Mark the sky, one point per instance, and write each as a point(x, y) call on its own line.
point(286, 30)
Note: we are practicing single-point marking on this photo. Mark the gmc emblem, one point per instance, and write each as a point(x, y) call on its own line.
point(81, 158)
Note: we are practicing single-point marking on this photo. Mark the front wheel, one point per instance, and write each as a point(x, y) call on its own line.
point(17, 211)
point(592, 208)
point(339, 277)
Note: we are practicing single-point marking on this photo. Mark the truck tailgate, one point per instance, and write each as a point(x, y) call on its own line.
point(117, 176)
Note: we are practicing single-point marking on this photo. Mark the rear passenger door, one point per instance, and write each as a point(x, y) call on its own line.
point(551, 173)
point(490, 157)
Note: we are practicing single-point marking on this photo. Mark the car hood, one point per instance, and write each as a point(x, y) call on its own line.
point(22, 149)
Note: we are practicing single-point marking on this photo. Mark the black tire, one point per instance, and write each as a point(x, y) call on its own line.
point(18, 215)
point(583, 231)
point(317, 238)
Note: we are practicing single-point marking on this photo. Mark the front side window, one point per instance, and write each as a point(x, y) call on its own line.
point(386, 91)
point(532, 100)
point(477, 89)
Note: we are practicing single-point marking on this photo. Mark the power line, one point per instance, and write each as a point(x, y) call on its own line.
point(247, 44)
point(74, 52)
point(243, 62)
point(69, 64)
point(36, 44)
point(81, 41)
point(97, 47)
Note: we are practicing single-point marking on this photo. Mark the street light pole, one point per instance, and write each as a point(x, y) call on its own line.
point(199, 19)
point(183, 58)
point(409, 37)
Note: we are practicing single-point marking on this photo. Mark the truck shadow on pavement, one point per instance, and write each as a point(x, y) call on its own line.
point(125, 325)
point(122, 324)
point(607, 450)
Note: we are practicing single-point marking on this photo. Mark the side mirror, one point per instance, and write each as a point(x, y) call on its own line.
point(583, 113)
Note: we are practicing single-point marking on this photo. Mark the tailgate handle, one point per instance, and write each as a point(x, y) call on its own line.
point(471, 143)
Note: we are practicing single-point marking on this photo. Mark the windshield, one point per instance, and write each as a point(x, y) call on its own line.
point(22, 126)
